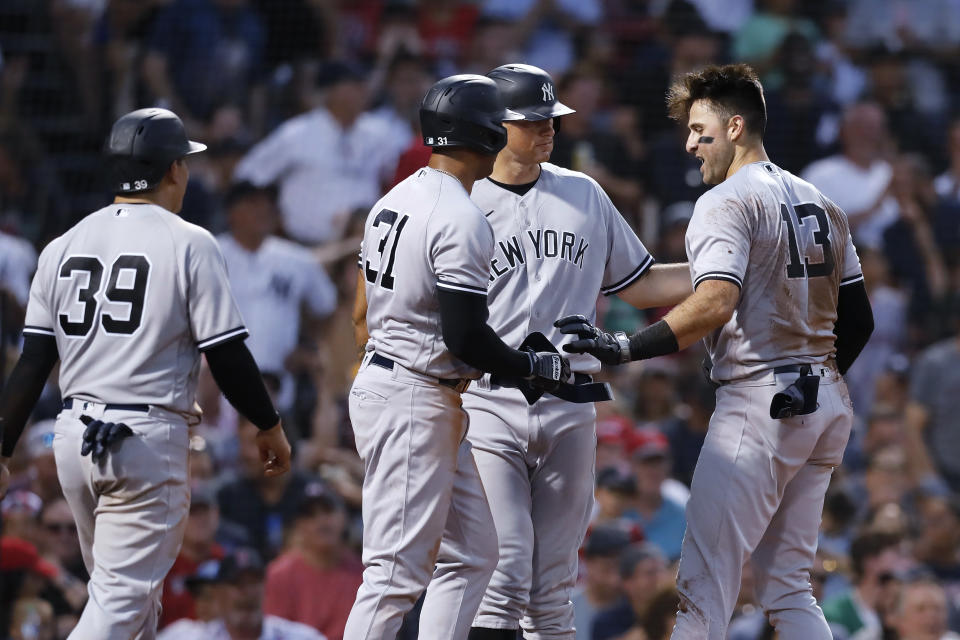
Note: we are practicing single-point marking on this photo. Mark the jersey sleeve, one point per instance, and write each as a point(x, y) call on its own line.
point(39, 318)
point(718, 242)
point(460, 249)
point(214, 316)
point(627, 258)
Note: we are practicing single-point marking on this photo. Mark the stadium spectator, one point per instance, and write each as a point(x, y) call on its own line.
point(203, 54)
point(858, 178)
point(758, 40)
point(240, 596)
point(276, 282)
point(326, 162)
point(937, 545)
point(199, 546)
point(602, 584)
point(258, 504)
point(875, 558)
point(315, 581)
point(935, 405)
point(643, 568)
point(655, 508)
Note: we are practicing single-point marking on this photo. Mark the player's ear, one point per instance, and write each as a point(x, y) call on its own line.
point(735, 128)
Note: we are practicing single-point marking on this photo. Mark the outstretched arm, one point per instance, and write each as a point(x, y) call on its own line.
point(710, 307)
point(663, 285)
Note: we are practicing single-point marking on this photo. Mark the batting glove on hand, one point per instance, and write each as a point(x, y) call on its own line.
point(606, 347)
point(547, 369)
point(99, 437)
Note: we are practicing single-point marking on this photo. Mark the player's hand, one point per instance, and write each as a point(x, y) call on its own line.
point(274, 451)
point(547, 369)
point(4, 476)
point(601, 345)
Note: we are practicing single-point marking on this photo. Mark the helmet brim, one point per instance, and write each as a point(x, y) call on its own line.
point(543, 112)
point(195, 147)
point(509, 115)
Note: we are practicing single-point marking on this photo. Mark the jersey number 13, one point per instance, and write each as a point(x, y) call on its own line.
point(800, 265)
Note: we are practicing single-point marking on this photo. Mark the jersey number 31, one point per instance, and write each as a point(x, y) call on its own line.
point(800, 265)
point(387, 222)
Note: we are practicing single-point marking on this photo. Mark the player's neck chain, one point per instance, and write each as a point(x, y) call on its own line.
point(446, 172)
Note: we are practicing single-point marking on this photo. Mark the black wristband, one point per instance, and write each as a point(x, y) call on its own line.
point(656, 340)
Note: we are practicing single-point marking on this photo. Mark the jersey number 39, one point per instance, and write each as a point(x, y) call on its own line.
point(132, 290)
point(388, 224)
point(800, 265)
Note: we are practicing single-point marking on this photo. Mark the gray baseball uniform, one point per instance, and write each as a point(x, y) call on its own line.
point(426, 519)
point(557, 247)
point(759, 484)
point(132, 294)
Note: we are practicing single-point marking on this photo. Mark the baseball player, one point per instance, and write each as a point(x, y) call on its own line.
point(559, 243)
point(127, 300)
point(783, 311)
point(424, 269)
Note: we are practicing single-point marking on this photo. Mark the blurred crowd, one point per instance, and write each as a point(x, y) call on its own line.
point(309, 108)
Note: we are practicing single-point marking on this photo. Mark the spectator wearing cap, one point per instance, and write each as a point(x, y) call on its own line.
point(326, 162)
point(199, 546)
point(616, 488)
point(59, 545)
point(875, 559)
point(614, 434)
point(275, 282)
point(601, 587)
point(656, 507)
point(25, 574)
point(643, 568)
point(239, 592)
point(315, 582)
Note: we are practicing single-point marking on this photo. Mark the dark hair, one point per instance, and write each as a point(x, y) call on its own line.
point(661, 607)
point(870, 544)
point(241, 190)
point(733, 89)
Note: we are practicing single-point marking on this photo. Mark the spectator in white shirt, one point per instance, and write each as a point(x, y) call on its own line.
point(326, 162)
point(274, 281)
point(858, 178)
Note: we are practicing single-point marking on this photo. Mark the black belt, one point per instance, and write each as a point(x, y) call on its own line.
point(458, 384)
point(803, 369)
point(143, 408)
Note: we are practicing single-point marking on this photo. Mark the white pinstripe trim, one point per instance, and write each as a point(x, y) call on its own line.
point(209, 342)
point(466, 288)
point(40, 331)
point(851, 280)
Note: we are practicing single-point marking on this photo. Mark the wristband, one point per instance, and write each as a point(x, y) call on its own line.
point(656, 340)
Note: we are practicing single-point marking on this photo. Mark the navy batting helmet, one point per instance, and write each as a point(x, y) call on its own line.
point(529, 91)
point(141, 147)
point(465, 111)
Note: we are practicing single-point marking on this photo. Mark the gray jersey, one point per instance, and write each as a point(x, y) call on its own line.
point(789, 249)
point(557, 245)
point(133, 294)
point(423, 235)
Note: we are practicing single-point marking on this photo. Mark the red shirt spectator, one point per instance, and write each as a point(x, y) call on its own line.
point(316, 581)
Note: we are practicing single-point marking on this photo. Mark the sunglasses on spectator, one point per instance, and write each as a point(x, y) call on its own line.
point(61, 527)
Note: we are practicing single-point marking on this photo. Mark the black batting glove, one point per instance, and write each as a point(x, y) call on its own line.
point(99, 437)
point(547, 369)
point(605, 347)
